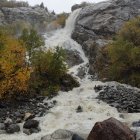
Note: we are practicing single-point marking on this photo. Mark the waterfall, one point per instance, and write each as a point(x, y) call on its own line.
point(62, 38)
point(64, 115)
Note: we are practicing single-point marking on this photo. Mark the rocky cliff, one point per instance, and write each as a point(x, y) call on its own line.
point(97, 23)
point(33, 15)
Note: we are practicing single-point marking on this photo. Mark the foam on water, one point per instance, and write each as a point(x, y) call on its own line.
point(62, 38)
point(63, 115)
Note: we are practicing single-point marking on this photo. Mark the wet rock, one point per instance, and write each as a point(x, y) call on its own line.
point(62, 135)
point(111, 129)
point(73, 58)
point(59, 135)
point(23, 109)
point(54, 102)
point(136, 124)
point(12, 128)
point(76, 137)
point(121, 116)
point(122, 97)
point(98, 88)
point(27, 131)
point(31, 124)
point(8, 122)
point(79, 109)
point(2, 126)
point(68, 83)
point(82, 72)
point(28, 116)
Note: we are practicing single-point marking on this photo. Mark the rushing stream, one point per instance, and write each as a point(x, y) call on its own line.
point(64, 115)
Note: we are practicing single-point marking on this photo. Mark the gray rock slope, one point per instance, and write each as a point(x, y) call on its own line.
point(97, 23)
point(33, 15)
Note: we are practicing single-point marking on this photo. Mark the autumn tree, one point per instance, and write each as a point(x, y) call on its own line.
point(14, 74)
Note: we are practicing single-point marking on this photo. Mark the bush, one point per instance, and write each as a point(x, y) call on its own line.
point(124, 55)
point(49, 67)
point(15, 29)
point(14, 74)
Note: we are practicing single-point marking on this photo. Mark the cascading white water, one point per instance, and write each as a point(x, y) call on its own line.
point(62, 38)
point(63, 115)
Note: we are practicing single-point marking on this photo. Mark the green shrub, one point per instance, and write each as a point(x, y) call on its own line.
point(49, 67)
point(124, 55)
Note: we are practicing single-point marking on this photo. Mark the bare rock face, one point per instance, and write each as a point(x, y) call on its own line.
point(77, 6)
point(111, 129)
point(33, 15)
point(104, 19)
point(97, 23)
point(73, 58)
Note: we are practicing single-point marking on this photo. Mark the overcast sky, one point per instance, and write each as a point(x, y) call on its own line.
point(59, 5)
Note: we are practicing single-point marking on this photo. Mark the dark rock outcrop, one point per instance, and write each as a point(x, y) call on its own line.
point(31, 124)
point(111, 129)
point(68, 82)
point(97, 23)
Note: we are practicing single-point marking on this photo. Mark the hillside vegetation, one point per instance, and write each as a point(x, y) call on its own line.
point(26, 69)
point(120, 60)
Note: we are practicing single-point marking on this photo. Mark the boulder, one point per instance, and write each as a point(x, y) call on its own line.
point(76, 137)
point(68, 82)
point(79, 109)
point(8, 122)
point(32, 130)
point(59, 135)
point(111, 129)
point(13, 128)
point(62, 135)
point(2, 126)
point(28, 116)
point(31, 124)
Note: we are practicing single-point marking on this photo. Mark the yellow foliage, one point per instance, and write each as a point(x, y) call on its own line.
point(14, 74)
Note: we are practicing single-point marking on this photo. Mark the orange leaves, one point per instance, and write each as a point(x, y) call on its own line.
point(14, 74)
